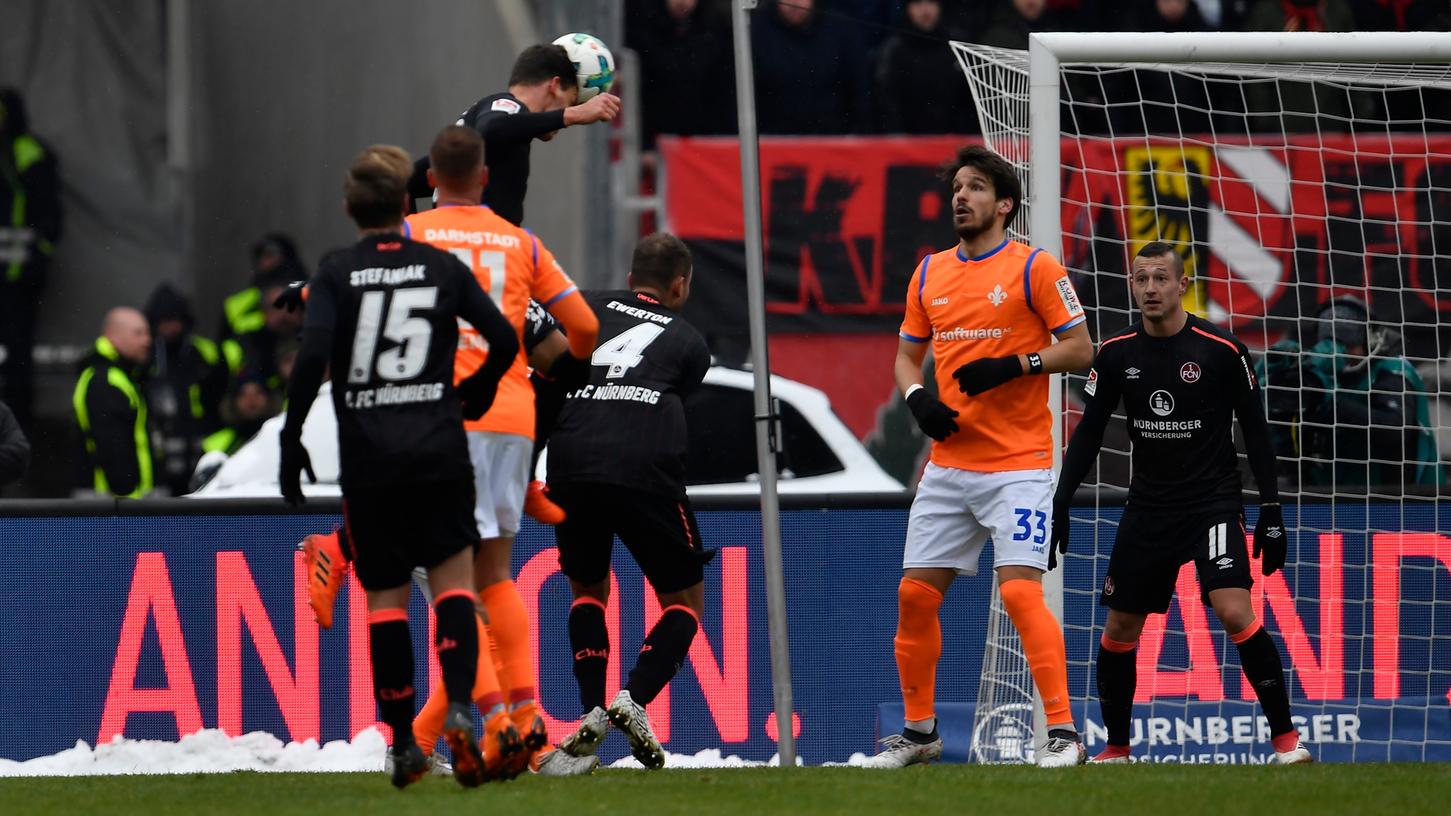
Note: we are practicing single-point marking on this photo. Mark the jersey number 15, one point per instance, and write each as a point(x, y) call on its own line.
point(411, 334)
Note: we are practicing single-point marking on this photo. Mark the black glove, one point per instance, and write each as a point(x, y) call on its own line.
point(294, 461)
point(986, 374)
point(1270, 538)
point(1059, 542)
point(477, 395)
point(293, 298)
point(932, 415)
point(569, 371)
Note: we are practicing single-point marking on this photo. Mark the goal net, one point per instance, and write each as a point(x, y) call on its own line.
point(1311, 202)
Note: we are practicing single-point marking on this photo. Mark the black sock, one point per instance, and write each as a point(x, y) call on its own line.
point(1266, 672)
point(392, 652)
point(663, 653)
point(591, 643)
point(1118, 674)
point(456, 637)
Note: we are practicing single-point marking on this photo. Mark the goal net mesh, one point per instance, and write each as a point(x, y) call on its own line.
point(1312, 206)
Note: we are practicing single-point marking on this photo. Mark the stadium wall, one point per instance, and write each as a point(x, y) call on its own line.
point(153, 619)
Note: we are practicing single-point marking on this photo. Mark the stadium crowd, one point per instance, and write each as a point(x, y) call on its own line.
point(833, 67)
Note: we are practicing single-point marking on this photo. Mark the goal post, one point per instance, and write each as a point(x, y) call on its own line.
point(1288, 169)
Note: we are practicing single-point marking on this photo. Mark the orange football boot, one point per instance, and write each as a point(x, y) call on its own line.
point(502, 747)
point(532, 732)
point(538, 504)
point(327, 568)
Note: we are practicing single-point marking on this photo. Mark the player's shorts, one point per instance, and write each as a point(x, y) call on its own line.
point(1152, 545)
point(501, 476)
point(392, 529)
point(956, 511)
point(659, 531)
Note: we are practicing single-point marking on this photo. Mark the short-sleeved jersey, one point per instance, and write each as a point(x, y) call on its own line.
point(627, 425)
point(391, 306)
point(1179, 394)
point(512, 266)
point(1007, 301)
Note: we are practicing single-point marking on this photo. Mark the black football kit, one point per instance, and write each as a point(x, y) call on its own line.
point(617, 454)
point(509, 129)
point(383, 316)
point(1180, 395)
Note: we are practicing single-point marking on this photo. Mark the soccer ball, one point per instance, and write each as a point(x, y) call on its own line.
point(593, 62)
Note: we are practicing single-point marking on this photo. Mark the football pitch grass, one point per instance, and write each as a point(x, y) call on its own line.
point(1152, 790)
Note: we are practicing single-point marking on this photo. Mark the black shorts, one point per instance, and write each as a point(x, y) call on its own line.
point(392, 529)
point(1153, 544)
point(659, 531)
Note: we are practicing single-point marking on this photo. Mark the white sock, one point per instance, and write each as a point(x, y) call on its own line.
point(923, 726)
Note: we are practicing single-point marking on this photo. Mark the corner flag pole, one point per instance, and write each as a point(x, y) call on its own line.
point(767, 423)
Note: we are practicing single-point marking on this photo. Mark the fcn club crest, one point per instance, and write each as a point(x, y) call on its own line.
point(1189, 372)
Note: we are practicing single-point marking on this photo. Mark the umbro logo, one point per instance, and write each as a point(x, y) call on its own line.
point(1131, 373)
point(942, 301)
point(997, 295)
point(1225, 563)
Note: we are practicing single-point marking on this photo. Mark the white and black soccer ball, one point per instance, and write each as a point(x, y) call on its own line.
point(593, 63)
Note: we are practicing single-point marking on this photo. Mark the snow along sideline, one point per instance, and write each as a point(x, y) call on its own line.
point(212, 751)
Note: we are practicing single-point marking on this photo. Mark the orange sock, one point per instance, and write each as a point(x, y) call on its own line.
point(428, 725)
point(509, 623)
point(1043, 644)
point(918, 645)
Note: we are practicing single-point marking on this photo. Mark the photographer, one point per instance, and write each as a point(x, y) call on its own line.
point(1351, 409)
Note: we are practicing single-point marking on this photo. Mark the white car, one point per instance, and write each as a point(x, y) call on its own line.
point(819, 455)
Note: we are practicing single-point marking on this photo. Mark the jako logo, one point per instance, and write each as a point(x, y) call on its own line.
point(960, 333)
point(997, 295)
point(942, 301)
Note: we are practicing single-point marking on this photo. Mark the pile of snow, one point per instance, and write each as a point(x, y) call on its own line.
point(212, 751)
point(207, 751)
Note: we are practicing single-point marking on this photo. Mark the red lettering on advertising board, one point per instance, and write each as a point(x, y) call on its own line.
point(1388, 551)
point(725, 684)
point(239, 602)
point(1322, 679)
point(1203, 677)
point(530, 582)
point(150, 598)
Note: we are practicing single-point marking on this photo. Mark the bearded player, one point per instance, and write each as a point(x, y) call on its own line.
point(989, 309)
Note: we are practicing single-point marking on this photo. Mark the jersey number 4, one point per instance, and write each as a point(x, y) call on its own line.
point(411, 334)
point(626, 349)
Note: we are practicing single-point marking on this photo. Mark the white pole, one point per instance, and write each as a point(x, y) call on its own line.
point(765, 412)
point(1045, 232)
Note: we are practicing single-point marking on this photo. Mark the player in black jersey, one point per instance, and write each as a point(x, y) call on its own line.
point(383, 316)
point(1182, 381)
point(617, 466)
point(543, 89)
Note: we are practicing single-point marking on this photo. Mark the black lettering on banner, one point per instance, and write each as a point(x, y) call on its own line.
point(917, 216)
point(798, 227)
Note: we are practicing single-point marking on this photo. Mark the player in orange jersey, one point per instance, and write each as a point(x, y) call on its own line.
point(989, 308)
point(513, 267)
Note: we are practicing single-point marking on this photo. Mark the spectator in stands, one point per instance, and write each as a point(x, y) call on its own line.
point(1172, 104)
point(1352, 407)
point(1014, 21)
point(919, 83)
point(14, 448)
point(251, 320)
point(811, 77)
point(110, 409)
point(30, 226)
point(683, 51)
point(184, 392)
point(1298, 106)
